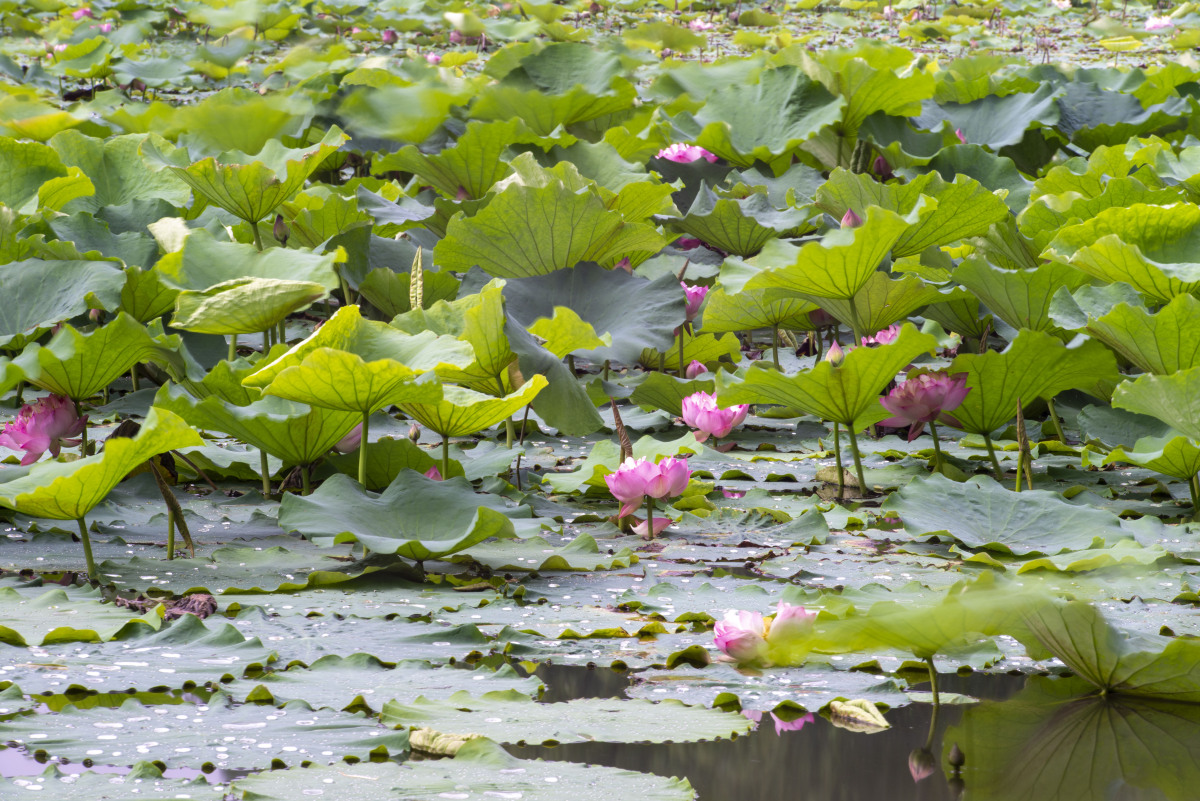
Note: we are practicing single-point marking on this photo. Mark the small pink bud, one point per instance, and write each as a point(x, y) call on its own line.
point(390, 37)
point(433, 473)
point(351, 441)
point(433, 58)
point(835, 355)
point(694, 369)
point(958, 132)
point(106, 27)
point(850, 219)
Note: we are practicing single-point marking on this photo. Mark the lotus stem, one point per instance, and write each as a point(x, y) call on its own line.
point(991, 449)
point(20, 394)
point(258, 243)
point(682, 363)
point(837, 455)
point(87, 549)
point(858, 471)
point(362, 450)
point(509, 428)
point(649, 517)
point(83, 438)
point(306, 479)
point(281, 337)
point(133, 379)
point(937, 448)
point(606, 363)
point(445, 456)
point(266, 472)
point(1020, 467)
point(232, 347)
point(524, 424)
point(1194, 489)
point(267, 335)
point(933, 681)
point(571, 363)
point(170, 534)
point(1058, 429)
point(775, 347)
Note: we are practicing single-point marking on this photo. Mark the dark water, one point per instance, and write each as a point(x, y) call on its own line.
point(820, 762)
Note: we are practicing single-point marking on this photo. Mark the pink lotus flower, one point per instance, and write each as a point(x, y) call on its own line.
point(636, 479)
point(685, 154)
point(390, 37)
point(700, 25)
point(433, 58)
point(884, 337)
point(835, 355)
point(961, 136)
point(700, 411)
point(733, 494)
point(882, 169)
point(687, 243)
point(433, 473)
point(790, 621)
point(106, 27)
point(694, 369)
point(660, 523)
point(672, 479)
point(456, 37)
point(1159, 23)
point(850, 219)
point(741, 635)
point(799, 723)
point(695, 298)
point(924, 398)
point(46, 425)
point(351, 441)
point(82, 13)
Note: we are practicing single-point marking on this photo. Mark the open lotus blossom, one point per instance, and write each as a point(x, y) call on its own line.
point(82, 13)
point(695, 298)
point(43, 426)
point(1159, 23)
point(351, 441)
point(924, 398)
point(850, 219)
point(746, 636)
point(686, 154)
point(884, 337)
point(700, 25)
point(640, 479)
point(433, 58)
point(700, 411)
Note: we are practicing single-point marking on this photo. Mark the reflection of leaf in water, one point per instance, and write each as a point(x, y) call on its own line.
point(1049, 744)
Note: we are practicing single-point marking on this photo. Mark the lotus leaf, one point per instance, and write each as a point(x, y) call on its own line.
point(143, 782)
point(882, 301)
point(463, 412)
point(116, 170)
point(1020, 298)
point(204, 262)
point(737, 226)
point(1164, 342)
point(1174, 399)
point(52, 292)
point(243, 305)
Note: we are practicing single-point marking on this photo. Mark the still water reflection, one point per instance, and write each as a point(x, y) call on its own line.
point(1030, 740)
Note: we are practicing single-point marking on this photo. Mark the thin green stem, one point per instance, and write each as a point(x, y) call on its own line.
point(170, 534)
point(571, 363)
point(281, 334)
point(1020, 467)
point(682, 364)
point(232, 347)
point(991, 449)
point(775, 347)
point(305, 479)
point(937, 448)
point(133, 378)
point(858, 471)
point(510, 430)
point(362, 450)
point(83, 437)
point(266, 472)
point(87, 549)
point(933, 681)
point(258, 243)
point(649, 517)
point(1194, 489)
point(837, 455)
point(1058, 429)
point(445, 456)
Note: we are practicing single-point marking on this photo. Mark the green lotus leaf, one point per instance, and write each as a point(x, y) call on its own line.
point(52, 292)
point(388, 290)
point(293, 432)
point(86, 234)
point(1090, 746)
point(1072, 311)
point(1090, 177)
point(605, 458)
point(544, 110)
point(80, 365)
point(666, 392)
point(56, 616)
point(1174, 399)
point(26, 167)
point(766, 121)
point(1034, 365)
point(387, 457)
point(463, 412)
point(997, 174)
point(204, 262)
point(1125, 552)
point(145, 296)
point(415, 517)
point(691, 347)
point(143, 781)
point(836, 266)
point(371, 341)
point(995, 120)
point(1112, 660)
point(116, 170)
point(1175, 456)
point(1043, 219)
point(753, 308)
point(479, 764)
point(335, 379)
point(983, 514)
point(477, 319)
point(1164, 342)
point(961, 315)
point(564, 403)
point(1093, 115)
point(1148, 247)
point(566, 332)
point(527, 231)
point(239, 118)
point(249, 187)
point(737, 226)
point(847, 394)
point(318, 215)
point(635, 312)
point(1019, 298)
point(963, 208)
point(88, 58)
point(68, 490)
point(884, 300)
point(402, 113)
point(243, 305)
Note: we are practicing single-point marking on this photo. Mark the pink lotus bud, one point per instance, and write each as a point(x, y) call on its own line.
point(925, 398)
point(694, 369)
point(43, 426)
point(921, 764)
point(882, 169)
point(624, 264)
point(740, 636)
point(790, 622)
point(456, 37)
point(686, 154)
point(850, 219)
point(700, 411)
point(106, 27)
point(95, 314)
point(700, 25)
point(835, 355)
point(884, 337)
point(82, 13)
point(433, 58)
point(695, 297)
point(687, 243)
point(351, 441)
point(414, 432)
point(958, 132)
point(433, 473)
point(390, 37)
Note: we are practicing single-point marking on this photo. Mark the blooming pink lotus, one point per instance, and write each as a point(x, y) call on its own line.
point(700, 25)
point(884, 337)
point(695, 298)
point(924, 398)
point(746, 636)
point(43, 426)
point(700, 411)
point(686, 154)
point(433, 58)
point(640, 479)
point(82, 13)
point(1159, 23)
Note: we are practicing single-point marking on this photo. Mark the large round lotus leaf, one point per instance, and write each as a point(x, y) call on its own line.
point(243, 305)
point(481, 769)
point(56, 616)
point(53, 291)
point(25, 167)
point(191, 736)
point(1162, 343)
point(144, 782)
point(116, 170)
point(1174, 399)
point(738, 226)
point(463, 412)
point(204, 262)
point(358, 680)
point(1176, 456)
point(68, 490)
point(335, 379)
point(416, 517)
point(511, 717)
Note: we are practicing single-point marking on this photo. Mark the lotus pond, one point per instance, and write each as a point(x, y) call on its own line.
point(599, 400)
